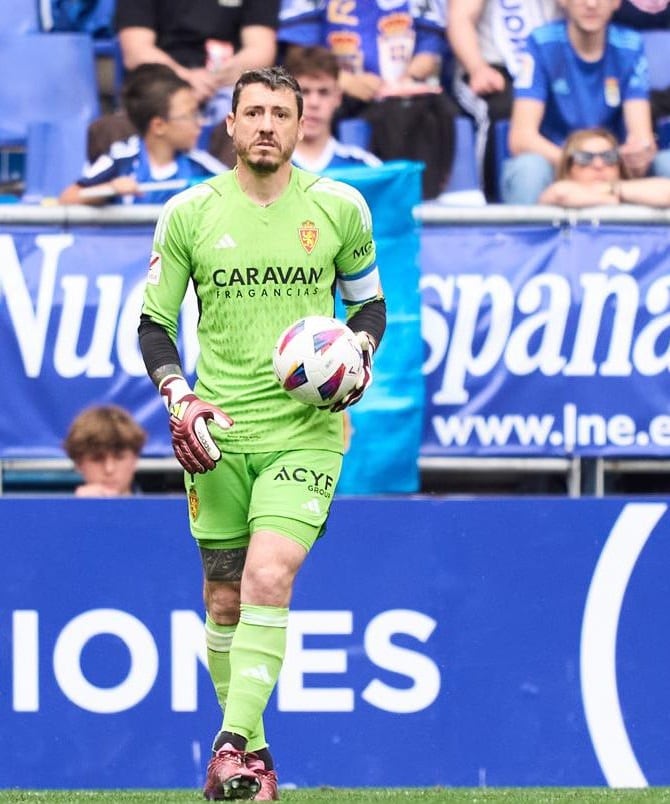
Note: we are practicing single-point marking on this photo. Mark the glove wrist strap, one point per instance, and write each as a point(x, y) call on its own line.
point(172, 388)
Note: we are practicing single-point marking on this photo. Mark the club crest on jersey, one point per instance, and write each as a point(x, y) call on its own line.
point(309, 234)
point(612, 92)
point(193, 503)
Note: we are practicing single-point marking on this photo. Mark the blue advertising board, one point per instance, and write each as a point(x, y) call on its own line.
point(533, 340)
point(543, 340)
point(516, 642)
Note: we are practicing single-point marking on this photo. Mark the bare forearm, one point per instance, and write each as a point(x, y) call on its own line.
point(260, 52)
point(465, 45)
point(653, 191)
point(136, 52)
point(574, 194)
point(423, 66)
point(533, 142)
point(72, 195)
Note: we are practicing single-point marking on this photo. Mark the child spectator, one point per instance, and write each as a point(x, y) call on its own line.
point(105, 442)
point(164, 110)
point(316, 70)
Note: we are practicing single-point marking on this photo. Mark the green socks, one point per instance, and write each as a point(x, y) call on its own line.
point(260, 641)
point(257, 653)
point(218, 639)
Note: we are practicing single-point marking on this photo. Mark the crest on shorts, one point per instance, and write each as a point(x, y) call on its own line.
point(309, 234)
point(193, 503)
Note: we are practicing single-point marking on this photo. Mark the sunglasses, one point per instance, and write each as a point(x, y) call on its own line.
point(586, 158)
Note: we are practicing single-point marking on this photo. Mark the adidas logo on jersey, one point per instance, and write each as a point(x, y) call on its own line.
point(226, 242)
point(312, 506)
point(259, 672)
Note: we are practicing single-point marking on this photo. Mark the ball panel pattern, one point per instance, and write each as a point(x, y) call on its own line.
point(317, 360)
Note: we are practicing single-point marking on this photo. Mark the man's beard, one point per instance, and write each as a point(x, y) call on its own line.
point(265, 165)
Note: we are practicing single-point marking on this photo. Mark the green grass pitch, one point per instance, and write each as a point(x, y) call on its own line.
point(454, 795)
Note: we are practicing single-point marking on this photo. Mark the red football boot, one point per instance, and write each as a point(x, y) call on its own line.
point(268, 779)
point(228, 777)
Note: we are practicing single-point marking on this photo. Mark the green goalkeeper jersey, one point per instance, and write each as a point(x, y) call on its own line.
point(255, 271)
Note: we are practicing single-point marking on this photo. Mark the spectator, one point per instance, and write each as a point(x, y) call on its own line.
point(164, 110)
point(487, 39)
point(208, 43)
point(592, 173)
point(381, 51)
point(316, 70)
point(390, 63)
point(580, 72)
point(104, 442)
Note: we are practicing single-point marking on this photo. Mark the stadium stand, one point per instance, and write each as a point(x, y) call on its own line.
point(354, 131)
point(19, 17)
point(53, 82)
point(463, 176)
point(500, 149)
point(657, 48)
point(54, 154)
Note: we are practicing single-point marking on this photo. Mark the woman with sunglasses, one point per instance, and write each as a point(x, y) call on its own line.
point(591, 173)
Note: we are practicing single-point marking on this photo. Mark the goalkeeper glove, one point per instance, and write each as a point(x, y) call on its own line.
point(192, 442)
point(365, 375)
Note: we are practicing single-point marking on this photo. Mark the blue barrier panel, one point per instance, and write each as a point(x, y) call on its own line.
point(546, 341)
point(515, 642)
point(394, 403)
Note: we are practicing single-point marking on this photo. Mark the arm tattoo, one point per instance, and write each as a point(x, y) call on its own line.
point(164, 371)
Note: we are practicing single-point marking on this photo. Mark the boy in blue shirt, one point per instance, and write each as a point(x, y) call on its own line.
point(581, 72)
point(316, 71)
point(164, 110)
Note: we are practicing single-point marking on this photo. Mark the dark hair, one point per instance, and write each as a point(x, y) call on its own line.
point(273, 78)
point(304, 61)
point(147, 91)
point(102, 429)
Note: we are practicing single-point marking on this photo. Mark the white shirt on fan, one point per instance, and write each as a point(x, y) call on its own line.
point(504, 27)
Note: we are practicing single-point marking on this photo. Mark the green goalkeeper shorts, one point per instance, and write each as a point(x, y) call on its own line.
point(286, 492)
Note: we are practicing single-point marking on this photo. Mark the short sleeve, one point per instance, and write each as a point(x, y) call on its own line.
point(531, 80)
point(301, 22)
point(136, 14)
point(261, 12)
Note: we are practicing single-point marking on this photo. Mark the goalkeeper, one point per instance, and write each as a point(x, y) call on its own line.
point(263, 245)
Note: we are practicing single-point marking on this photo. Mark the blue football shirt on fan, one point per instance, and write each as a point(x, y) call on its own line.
point(374, 36)
point(336, 155)
point(577, 93)
point(130, 158)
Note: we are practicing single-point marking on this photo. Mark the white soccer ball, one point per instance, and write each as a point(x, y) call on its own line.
point(317, 360)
